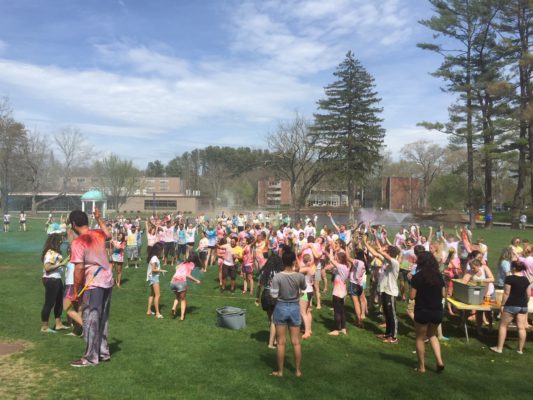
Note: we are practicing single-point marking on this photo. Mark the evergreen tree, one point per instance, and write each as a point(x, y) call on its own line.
point(347, 128)
point(462, 21)
point(516, 28)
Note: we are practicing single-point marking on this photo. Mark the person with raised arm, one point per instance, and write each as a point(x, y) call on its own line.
point(387, 287)
point(179, 284)
point(93, 276)
point(339, 268)
point(344, 234)
point(152, 276)
point(286, 289)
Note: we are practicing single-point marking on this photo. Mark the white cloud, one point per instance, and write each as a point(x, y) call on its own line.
point(308, 36)
point(141, 91)
point(160, 103)
point(396, 138)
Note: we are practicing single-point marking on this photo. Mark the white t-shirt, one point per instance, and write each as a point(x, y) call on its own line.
point(69, 274)
point(153, 260)
point(203, 244)
point(388, 281)
point(51, 257)
point(190, 234)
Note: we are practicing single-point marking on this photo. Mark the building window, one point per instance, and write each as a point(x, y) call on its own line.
point(80, 180)
point(160, 204)
point(149, 185)
point(163, 185)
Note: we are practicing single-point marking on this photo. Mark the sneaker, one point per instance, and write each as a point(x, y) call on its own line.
point(81, 363)
point(520, 352)
point(496, 350)
point(159, 316)
point(391, 340)
point(444, 338)
point(104, 359)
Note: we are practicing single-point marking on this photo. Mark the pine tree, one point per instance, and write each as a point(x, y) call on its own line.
point(516, 27)
point(347, 126)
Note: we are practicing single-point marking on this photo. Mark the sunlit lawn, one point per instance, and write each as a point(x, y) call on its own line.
point(195, 359)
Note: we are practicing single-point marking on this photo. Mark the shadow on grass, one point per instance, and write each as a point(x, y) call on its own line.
point(398, 358)
point(114, 346)
point(261, 336)
point(269, 359)
point(191, 310)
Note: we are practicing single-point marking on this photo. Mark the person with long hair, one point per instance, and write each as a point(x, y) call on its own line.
point(481, 273)
point(248, 265)
point(428, 290)
point(339, 268)
point(53, 284)
point(286, 288)
point(504, 265)
point(272, 266)
point(179, 285)
point(514, 304)
point(117, 255)
point(307, 268)
point(152, 276)
point(356, 283)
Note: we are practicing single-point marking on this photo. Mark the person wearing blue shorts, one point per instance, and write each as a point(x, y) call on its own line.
point(152, 276)
point(286, 288)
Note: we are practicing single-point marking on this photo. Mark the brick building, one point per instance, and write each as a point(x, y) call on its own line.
point(273, 193)
point(401, 194)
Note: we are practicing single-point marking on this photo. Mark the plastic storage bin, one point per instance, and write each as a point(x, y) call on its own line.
point(468, 294)
point(231, 317)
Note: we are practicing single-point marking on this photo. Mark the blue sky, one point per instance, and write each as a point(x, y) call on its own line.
point(151, 79)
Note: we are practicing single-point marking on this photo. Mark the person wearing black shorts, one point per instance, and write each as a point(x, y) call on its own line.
point(427, 289)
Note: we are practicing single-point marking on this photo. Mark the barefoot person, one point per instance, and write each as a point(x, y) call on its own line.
point(92, 271)
point(427, 289)
point(179, 285)
point(117, 256)
point(514, 304)
point(286, 288)
point(152, 276)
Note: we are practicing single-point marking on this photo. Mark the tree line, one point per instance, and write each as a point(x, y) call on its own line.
point(31, 162)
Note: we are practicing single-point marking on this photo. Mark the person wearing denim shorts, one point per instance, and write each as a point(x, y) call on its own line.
point(514, 304)
point(286, 288)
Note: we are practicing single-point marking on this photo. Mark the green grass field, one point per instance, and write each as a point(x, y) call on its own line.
point(194, 359)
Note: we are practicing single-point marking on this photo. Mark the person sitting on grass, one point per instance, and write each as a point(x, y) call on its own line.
point(53, 285)
point(286, 288)
point(387, 287)
point(427, 289)
point(179, 285)
point(152, 276)
point(514, 304)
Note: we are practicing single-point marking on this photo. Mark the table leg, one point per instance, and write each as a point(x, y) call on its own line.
point(465, 324)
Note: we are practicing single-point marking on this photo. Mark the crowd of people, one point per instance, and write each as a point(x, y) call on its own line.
point(284, 265)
